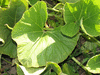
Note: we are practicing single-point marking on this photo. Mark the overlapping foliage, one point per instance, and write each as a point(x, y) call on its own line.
point(39, 48)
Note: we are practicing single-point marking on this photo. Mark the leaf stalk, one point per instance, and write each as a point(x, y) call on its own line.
point(74, 59)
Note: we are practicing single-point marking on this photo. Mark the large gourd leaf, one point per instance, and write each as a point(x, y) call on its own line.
point(37, 46)
point(93, 64)
point(10, 16)
point(88, 10)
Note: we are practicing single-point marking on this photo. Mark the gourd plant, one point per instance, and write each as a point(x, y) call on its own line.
point(38, 48)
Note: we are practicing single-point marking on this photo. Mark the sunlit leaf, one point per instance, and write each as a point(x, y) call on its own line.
point(4, 3)
point(69, 1)
point(9, 16)
point(51, 66)
point(21, 70)
point(89, 47)
point(90, 22)
point(93, 64)
point(68, 70)
point(32, 2)
point(84, 13)
point(37, 46)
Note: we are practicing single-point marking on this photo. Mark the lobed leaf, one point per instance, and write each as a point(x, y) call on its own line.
point(37, 46)
point(84, 13)
point(93, 65)
point(21, 70)
point(9, 16)
point(4, 3)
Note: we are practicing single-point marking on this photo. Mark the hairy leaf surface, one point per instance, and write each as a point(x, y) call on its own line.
point(37, 46)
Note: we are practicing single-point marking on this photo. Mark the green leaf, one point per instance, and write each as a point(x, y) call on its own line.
point(21, 70)
point(63, 74)
point(93, 65)
point(68, 70)
point(4, 3)
point(51, 66)
point(88, 11)
point(37, 71)
point(56, 68)
point(89, 46)
point(69, 1)
point(71, 17)
point(91, 20)
point(69, 29)
point(32, 2)
point(10, 16)
point(37, 46)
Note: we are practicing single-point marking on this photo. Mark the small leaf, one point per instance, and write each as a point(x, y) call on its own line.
point(69, 1)
point(69, 29)
point(93, 65)
point(89, 46)
point(85, 11)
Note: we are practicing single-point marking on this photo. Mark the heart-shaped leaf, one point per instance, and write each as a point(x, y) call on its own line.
point(93, 64)
point(10, 16)
point(88, 11)
point(71, 18)
point(37, 46)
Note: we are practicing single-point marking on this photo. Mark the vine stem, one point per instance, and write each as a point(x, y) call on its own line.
point(53, 9)
point(58, 5)
point(97, 41)
point(9, 27)
point(74, 59)
point(0, 60)
point(6, 60)
point(57, 16)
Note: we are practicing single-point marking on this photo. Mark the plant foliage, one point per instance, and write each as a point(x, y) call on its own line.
point(41, 37)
